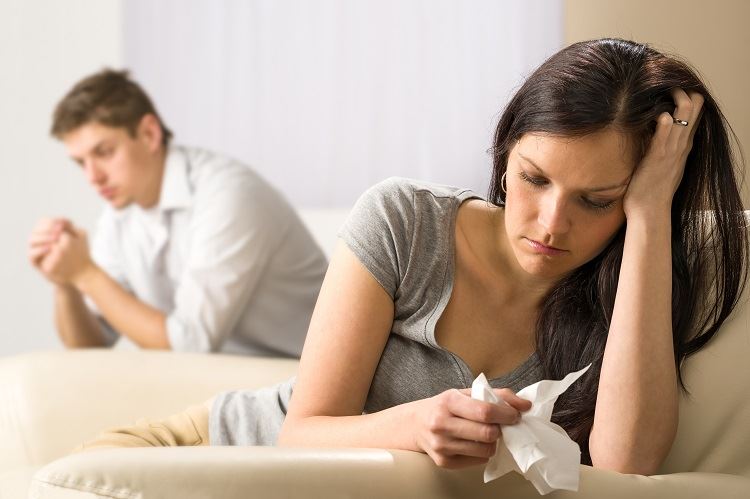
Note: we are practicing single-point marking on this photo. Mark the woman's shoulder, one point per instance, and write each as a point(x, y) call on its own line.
point(396, 219)
point(408, 193)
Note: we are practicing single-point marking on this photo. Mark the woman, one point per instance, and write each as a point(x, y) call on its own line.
point(605, 163)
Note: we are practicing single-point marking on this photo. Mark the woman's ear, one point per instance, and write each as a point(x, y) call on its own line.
point(150, 132)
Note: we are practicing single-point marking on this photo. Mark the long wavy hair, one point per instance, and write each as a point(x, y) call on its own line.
point(626, 85)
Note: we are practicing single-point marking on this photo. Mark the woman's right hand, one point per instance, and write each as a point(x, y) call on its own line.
point(457, 431)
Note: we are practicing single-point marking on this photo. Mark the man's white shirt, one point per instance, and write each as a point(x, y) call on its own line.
point(223, 255)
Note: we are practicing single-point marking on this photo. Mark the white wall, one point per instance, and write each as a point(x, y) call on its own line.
point(45, 46)
point(325, 98)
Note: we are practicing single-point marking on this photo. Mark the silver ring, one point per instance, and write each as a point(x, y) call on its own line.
point(679, 122)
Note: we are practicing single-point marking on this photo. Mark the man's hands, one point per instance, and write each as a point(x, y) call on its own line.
point(60, 251)
point(457, 431)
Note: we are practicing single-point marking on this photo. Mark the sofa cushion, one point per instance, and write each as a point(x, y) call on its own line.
point(51, 402)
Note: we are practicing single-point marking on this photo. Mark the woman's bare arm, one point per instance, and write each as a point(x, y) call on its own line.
point(636, 409)
point(637, 403)
point(348, 332)
point(347, 335)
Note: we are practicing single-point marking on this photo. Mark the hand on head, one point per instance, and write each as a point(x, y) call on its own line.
point(656, 178)
point(59, 250)
point(457, 431)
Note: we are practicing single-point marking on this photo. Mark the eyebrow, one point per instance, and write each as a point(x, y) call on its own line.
point(594, 189)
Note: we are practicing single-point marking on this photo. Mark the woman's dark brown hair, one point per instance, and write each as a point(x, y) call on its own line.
point(626, 85)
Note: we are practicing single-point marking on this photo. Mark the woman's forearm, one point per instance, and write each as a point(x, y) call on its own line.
point(386, 429)
point(637, 402)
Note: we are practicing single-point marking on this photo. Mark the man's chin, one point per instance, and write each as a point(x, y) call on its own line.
point(119, 204)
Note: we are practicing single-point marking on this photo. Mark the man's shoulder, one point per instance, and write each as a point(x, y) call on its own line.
point(219, 181)
point(206, 168)
point(198, 158)
point(199, 155)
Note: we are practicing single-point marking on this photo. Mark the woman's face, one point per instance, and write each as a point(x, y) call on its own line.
point(564, 199)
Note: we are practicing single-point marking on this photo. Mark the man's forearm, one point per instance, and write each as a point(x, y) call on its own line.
point(76, 325)
point(142, 323)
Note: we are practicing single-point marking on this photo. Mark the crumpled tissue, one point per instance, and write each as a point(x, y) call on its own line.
point(535, 447)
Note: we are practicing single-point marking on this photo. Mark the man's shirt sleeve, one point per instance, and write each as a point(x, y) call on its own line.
point(236, 225)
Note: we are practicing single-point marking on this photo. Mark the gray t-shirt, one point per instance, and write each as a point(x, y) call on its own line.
point(403, 231)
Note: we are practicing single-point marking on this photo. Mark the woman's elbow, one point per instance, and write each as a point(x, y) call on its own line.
point(638, 453)
point(631, 464)
point(286, 434)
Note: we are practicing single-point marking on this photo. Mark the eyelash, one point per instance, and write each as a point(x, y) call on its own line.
point(539, 183)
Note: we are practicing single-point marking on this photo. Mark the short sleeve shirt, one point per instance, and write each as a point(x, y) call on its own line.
point(403, 232)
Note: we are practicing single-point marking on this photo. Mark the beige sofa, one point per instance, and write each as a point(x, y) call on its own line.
point(50, 402)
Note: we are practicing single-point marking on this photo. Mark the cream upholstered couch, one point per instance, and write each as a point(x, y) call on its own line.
point(49, 402)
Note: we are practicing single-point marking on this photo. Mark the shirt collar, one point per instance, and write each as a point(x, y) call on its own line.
point(175, 187)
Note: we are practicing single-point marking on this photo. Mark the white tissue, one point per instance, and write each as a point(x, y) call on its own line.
point(535, 447)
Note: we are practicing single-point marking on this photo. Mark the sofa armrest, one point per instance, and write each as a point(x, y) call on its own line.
point(270, 472)
point(52, 401)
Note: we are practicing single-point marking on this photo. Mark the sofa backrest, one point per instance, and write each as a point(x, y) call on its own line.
point(324, 224)
point(714, 426)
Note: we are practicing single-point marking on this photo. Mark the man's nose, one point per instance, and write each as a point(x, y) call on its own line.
point(553, 215)
point(94, 174)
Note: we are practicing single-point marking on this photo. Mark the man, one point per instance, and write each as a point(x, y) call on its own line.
point(195, 252)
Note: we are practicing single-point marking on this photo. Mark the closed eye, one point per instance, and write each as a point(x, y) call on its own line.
point(104, 152)
point(535, 181)
point(599, 205)
point(539, 182)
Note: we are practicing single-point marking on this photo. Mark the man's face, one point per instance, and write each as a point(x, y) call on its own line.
point(117, 165)
point(564, 199)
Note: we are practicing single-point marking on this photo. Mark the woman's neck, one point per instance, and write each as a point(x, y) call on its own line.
point(490, 258)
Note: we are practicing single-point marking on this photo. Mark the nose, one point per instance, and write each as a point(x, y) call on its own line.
point(553, 215)
point(94, 174)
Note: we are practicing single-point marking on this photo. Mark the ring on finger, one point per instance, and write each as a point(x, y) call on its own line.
point(678, 121)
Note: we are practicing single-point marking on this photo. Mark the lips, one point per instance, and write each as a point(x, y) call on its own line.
point(108, 192)
point(543, 249)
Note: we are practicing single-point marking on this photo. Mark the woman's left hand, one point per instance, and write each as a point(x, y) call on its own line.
point(656, 178)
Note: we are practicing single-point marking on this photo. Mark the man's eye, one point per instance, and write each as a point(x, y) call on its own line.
point(536, 181)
